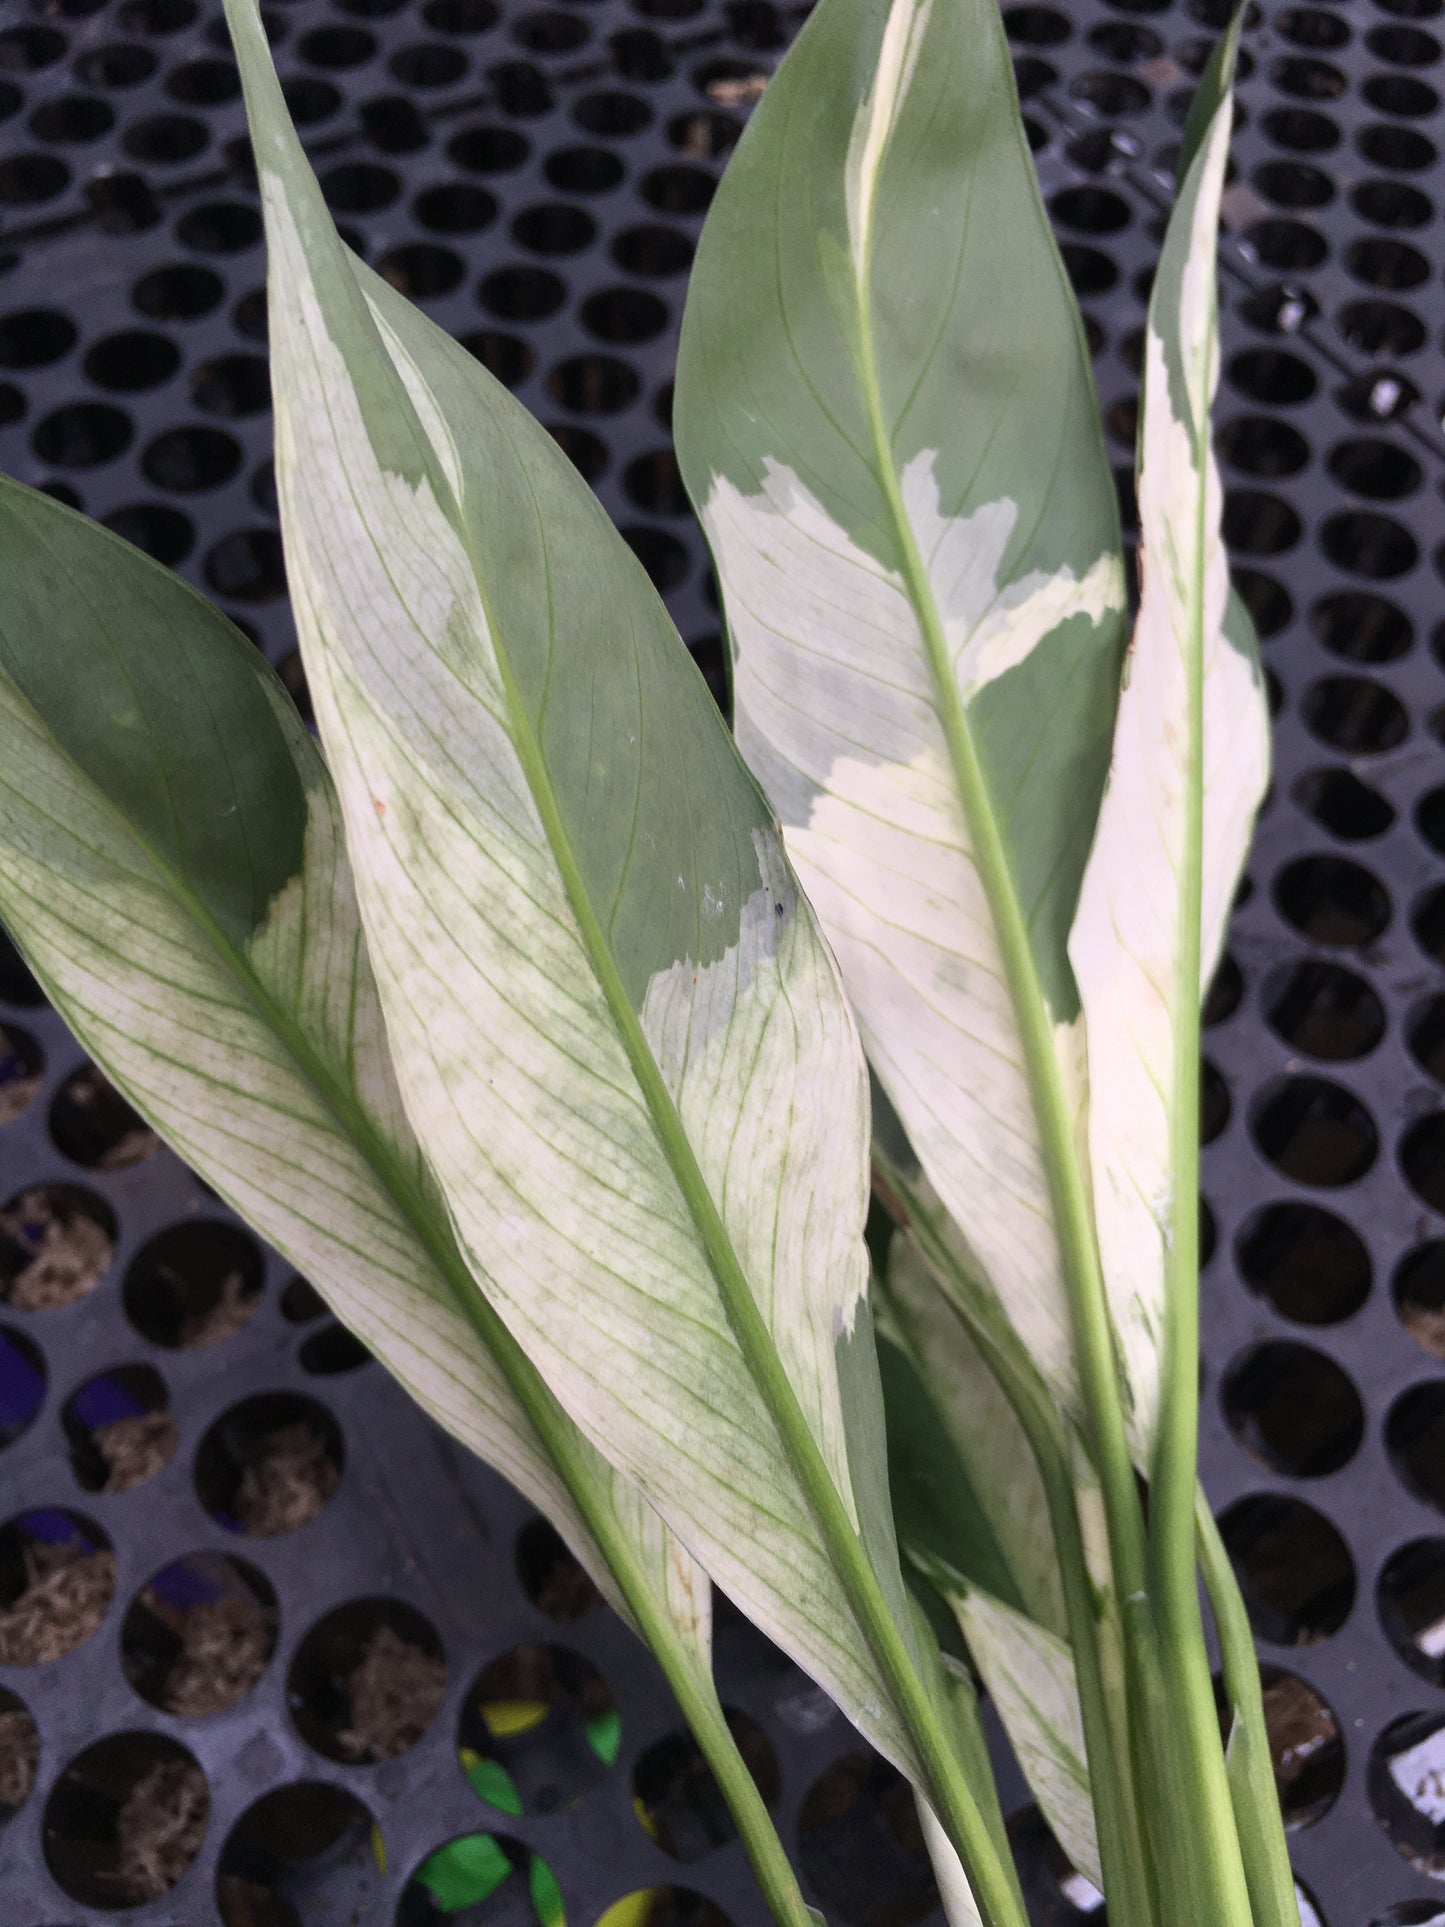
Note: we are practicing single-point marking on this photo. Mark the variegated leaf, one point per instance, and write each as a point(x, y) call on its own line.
point(619, 1034)
point(1190, 766)
point(1029, 1673)
point(886, 419)
point(171, 863)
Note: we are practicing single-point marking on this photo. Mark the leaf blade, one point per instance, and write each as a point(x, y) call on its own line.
point(256, 1048)
point(562, 1035)
point(923, 625)
point(1191, 714)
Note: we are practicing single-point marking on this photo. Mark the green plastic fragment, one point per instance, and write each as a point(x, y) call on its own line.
point(546, 1894)
point(464, 1871)
point(604, 1735)
point(491, 1780)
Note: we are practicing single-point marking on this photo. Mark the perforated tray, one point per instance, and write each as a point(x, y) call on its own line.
point(536, 177)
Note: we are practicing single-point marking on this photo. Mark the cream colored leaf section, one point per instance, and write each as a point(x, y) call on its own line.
point(960, 1909)
point(1126, 939)
point(1029, 1673)
point(517, 1064)
point(836, 711)
point(181, 1035)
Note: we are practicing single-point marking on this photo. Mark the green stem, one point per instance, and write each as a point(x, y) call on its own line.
point(961, 1697)
point(1207, 1833)
point(1251, 1769)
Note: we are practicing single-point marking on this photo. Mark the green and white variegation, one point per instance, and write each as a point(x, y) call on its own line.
point(619, 1034)
point(171, 863)
point(887, 422)
point(1029, 1673)
point(1190, 767)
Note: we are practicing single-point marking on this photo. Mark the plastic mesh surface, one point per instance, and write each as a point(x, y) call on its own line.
point(207, 1486)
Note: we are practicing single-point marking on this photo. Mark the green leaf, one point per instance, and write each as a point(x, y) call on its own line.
point(619, 1033)
point(1189, 769)
point(967, 1490)
point(886, 419)
point(171, 864)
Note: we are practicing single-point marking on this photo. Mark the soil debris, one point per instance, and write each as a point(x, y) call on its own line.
point(68, 1589)
point(232, 1306)
point(159, 1828)
point(19, 1757)
point(287, 1482)
point(738, 91)
point(1300, 1727)
point(395, 1693)
point(53, 1250)
point(136, 1447)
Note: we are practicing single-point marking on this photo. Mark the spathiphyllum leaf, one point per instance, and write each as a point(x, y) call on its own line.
point(619, 1035)
point(966, 1489)
point(886, 419)
point(171, 863)
point(1190, 766)
point(956, 1429)
point(1029, 1673)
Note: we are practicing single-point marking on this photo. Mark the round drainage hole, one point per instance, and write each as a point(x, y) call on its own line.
point(125, 1820)
point(56, 1244)
point(1293, 1409)
point(367, 1681)
point(1405, 1778)
point(193, 1285)
point(677, 1799)
point(1324, 1010)
point(19, 1753)
point(269, 1465)
point(1314, 1131)
point(481, 1877)
point(22, 1384)
point(1419, 1294)
point(860, 1846)
point(1305, 1745)
point(308, 1851)
point(120, 1429)
point(539, 1726)
point(93, 1125)
point(1411, 1602)
point(57, 1578)
point(552, 1576)
point(22, 1071)
point(1295, 1571)
point(199, 1634)
point(1415, 1440)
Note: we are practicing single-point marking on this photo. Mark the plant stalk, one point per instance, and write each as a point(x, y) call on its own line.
point(1208, 1833)
point(1251, 1771)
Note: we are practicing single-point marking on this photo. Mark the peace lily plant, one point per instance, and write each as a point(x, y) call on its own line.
point(527, 1015)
